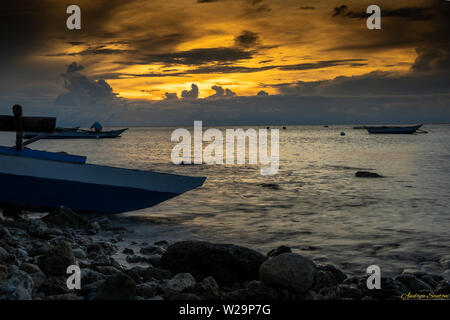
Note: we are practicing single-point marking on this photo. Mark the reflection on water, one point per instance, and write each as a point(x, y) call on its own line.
point(314, 204)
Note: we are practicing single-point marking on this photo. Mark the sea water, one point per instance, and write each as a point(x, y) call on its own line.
point(315, 204)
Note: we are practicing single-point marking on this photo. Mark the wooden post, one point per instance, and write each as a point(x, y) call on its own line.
point(18, 114)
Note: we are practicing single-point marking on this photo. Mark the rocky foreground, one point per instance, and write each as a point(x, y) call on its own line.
point(35, 254)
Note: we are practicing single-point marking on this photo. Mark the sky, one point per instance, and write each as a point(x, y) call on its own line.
point(227, 62)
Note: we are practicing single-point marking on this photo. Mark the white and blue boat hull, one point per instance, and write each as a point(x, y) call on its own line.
point(29, 180)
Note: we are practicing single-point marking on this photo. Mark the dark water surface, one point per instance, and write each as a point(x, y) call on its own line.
point(314, 204)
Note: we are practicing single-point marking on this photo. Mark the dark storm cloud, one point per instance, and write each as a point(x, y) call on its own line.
point(74, 67)
point(247, 39)
point(200, 56)
point(324, 64)
point(170, 96)
point(190, 94)
point(372, 84)
point(252, 7)
point(396, 33)
point(411, 13)
point(221, 93)
point(262, 93)
point(83, 91)
point(227, 69)
point(100, 50)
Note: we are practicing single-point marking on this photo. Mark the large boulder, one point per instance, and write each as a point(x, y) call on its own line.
point(64, 217)
point(226, 263)
point(288, 270)
point(413, 283)
point(56, 261)
point(119, 287)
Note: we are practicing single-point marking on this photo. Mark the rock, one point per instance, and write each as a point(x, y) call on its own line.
point(128, 251)
point(446, 275)
point(178, 283)
point(39, 278)
point(18, 286)
point(443, 287)
point(445, 262)
point(163, 244)
point(323, 279)
point(40, 248)
point(414, 284)
point(135, 259)
point(227, 263)
point(141, 274)
point(148, 289)
point(67, 296)
point(288, 270)
point(102, 248)
point(64, 217)
point(108, 270)
point(3, 272)
point(185, 297)
point(151, 250)
point(29, 268)
point(79, 253)
point(337, 273)
point(4, 255)
point(154, 259)
point(89, 276)
point(208, 289)
point(9, 292)
point(278, 251)
point(53, 286)
point(429, 280)
point(349, 291)
point(119, 287)
point(367, 174)
point(94, 227)
point(390, 288)
point(56, 261)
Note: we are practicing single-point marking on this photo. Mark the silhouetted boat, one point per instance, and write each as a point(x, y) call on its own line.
point(394, 129)
point(76, 133)
point(43, 180)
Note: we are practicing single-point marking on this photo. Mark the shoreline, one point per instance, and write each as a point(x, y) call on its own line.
point(35, 253)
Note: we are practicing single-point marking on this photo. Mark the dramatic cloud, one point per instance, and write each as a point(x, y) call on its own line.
point(171, 96)
point(247, 39)
point(372, 85)
point(200, 56)
point(190, 94)
point(411, 13)
point(82, 90)
point(221, 92)
point(262, 93)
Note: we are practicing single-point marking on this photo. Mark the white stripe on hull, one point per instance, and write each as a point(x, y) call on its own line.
point(96, 174)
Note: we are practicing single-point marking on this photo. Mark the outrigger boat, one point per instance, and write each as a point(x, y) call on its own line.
point(76, 133)
point(42, 180)
point(394, 129)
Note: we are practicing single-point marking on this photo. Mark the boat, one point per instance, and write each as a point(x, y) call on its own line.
point(77, 133)
point(394, 129)
point(41, 180)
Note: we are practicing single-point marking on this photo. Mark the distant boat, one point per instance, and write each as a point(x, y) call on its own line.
point(393, 129)
point(41, 180)
point(76, 133)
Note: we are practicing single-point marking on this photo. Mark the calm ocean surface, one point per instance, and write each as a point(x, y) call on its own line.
point(315, 204)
